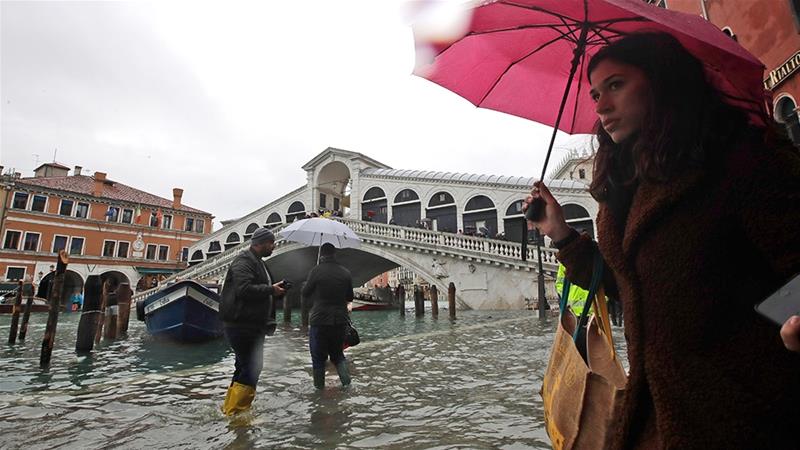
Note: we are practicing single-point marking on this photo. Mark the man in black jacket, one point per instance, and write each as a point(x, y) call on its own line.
point(329, 287)
point(248, 313)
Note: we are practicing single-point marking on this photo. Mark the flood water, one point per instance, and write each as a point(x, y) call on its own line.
point(417, 383)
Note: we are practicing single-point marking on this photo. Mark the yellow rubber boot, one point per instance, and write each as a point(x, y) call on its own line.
point(239, 398)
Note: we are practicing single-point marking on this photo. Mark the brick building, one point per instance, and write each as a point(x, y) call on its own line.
point(770, 30)
point(106, 227)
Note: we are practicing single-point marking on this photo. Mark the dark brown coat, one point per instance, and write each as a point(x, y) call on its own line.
point(695, 256)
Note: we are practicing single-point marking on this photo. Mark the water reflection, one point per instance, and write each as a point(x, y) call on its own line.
point(417, 383)
point(159, 355)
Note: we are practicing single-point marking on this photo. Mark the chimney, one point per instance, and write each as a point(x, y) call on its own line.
point(177, 194)
point(99, 179)
point(77, 170)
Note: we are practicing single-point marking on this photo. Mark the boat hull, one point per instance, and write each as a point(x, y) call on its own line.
point(365, 305)
point(185, 311)
point(38, 305)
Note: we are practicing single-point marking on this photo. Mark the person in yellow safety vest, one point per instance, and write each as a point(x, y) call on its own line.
point(576, 299)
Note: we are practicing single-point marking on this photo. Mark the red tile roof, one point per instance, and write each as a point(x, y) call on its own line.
point(112, 190)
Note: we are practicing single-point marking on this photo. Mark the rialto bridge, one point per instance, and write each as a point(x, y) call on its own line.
point(386, 208)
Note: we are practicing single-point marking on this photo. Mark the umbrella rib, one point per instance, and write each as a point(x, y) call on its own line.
point(542, 10)
point(500, 77)
point(578, 92)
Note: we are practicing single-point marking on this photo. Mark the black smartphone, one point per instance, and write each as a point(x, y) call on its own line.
point(287, 284)
point(783, 303)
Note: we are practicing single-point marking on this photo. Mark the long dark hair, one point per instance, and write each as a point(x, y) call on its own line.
point(687, 123)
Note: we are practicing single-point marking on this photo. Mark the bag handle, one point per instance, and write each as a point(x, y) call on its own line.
point(602, 314)
point(598, 266)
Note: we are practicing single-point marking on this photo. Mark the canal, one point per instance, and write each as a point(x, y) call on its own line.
point(417, 383)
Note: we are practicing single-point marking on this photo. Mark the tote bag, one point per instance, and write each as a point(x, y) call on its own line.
point(580, 390)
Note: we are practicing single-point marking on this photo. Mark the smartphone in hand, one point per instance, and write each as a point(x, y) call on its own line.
point(783, 303)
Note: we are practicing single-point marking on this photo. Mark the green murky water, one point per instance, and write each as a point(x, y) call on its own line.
point(417, 383)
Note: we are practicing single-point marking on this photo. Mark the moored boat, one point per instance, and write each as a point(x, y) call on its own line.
point(369, 303)
point(38, 305)
point(186, 311)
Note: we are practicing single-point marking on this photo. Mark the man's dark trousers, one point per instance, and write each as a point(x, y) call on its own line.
point(248, 345)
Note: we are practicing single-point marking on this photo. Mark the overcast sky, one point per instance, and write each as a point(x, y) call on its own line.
point(229, 99)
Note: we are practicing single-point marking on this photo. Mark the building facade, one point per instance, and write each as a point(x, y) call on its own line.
point(770, 30)
point(107, 228)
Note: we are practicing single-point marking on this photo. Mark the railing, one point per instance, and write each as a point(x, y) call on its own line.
point(502, 251)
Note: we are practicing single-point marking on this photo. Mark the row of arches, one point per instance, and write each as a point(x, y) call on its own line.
point(74, 282)
point(479, 215)
point(296, 210)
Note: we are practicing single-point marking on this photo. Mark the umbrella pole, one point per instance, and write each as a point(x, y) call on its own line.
point(535, 208)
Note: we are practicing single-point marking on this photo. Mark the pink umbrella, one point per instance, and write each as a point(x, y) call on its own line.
point(516, 56)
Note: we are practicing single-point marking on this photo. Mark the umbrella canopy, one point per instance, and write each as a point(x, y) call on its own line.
point(318, 231)
point(517, 56)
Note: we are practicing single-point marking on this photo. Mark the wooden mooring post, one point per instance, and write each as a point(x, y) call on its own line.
point(100, 317)
point(434, 301)
point(124, 294)
point(451, 299)
point(304, 311)
point(112, 311)
point(401, 299)
point(12, 335)
point(87, 327)
point(26, 316)
point(419, 302)
point(55, 305)
point(290, 296)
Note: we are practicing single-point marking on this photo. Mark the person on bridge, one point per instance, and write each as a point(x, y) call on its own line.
point(695, 226)
point(247, 310)
point(329, 288)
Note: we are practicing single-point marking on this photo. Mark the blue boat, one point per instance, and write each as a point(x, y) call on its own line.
point(186, 311)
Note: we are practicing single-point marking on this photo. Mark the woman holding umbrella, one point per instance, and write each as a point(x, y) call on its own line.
point(698, 221)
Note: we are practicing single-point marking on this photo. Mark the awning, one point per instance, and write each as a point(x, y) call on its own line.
point(146, 270)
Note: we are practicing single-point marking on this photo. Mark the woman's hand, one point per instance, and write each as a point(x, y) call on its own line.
point(790, 333)
point(551, 222)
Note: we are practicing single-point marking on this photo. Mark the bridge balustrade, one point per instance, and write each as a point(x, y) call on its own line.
point(490, 247)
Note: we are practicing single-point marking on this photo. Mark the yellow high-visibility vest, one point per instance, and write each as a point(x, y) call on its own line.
point(577, 296)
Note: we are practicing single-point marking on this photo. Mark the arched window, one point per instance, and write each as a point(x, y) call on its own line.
point(406, 195)
point(441, 198)
point(273, 219)
point(406, 210)
point(197, 256)
point(251, 229)
point(296, 211)
point(515, 209)
point(480, 217)
point(296, 207)
point(374, 193)
point(786, 113)
point(578, 217)
point(479, 202)
point(729, 32)
point(232, 240)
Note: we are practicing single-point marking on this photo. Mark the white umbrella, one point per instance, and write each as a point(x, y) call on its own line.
point(318, 231)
